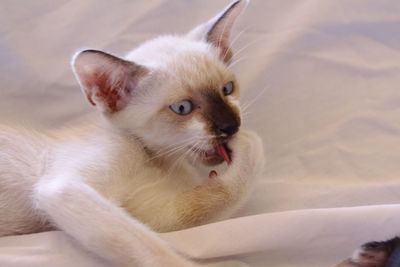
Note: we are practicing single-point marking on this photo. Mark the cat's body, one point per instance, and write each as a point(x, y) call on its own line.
point(171, 99)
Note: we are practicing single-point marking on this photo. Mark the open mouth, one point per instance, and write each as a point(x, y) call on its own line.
point(216, 155)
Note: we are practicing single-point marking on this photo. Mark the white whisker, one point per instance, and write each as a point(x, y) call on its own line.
point(245, 47)
point(236, 61)
point(199, 150)
point(181, 158)
point(247, 104)
point(173, 148)
point(234, 40)
point(245, 114)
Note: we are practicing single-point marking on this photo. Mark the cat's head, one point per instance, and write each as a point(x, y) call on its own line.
point(176, 93)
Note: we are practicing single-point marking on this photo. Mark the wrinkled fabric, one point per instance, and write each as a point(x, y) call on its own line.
point(320, 83)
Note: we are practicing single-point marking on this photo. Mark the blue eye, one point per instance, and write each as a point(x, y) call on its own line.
point(228, 89)
point(183, 107)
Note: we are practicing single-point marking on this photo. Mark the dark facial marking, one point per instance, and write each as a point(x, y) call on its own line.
point(220, 116)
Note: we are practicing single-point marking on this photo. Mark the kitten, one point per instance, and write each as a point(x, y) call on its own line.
point(110, 184)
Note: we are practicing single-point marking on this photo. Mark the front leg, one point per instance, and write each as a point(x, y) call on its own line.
point(220, 195)
point(102, 227)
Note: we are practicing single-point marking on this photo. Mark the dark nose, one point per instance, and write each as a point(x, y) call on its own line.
point(230, 129)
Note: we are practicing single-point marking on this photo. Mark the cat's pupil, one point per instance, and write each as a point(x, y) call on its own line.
point(182, 108)
point(227, 89)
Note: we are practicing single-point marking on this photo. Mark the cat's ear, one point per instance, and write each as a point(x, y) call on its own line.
point(218, 29)
point(108, 81)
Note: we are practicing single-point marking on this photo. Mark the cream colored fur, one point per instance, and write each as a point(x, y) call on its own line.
point(111, 183)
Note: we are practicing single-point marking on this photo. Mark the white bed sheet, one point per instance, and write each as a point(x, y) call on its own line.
point(322, 81)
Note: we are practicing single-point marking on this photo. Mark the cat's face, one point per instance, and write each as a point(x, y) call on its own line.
point(190, 101)
point(176, 94)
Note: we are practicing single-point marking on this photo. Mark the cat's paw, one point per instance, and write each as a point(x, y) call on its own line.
point(374, 254)
point(369, 256)
point(247, 153)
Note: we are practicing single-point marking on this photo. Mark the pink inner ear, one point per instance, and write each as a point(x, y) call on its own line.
point(220, 31)
point(107, 80)
point(223, 44)
point(101, 87)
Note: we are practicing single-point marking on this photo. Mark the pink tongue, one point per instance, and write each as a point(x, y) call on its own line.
point(220, 149)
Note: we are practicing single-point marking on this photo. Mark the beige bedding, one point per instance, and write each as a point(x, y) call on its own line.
point(321, 79)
